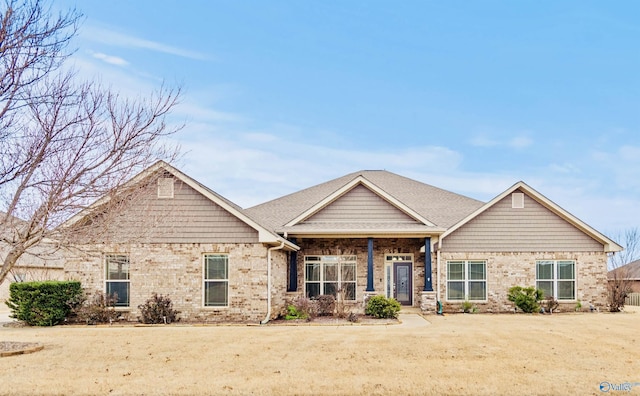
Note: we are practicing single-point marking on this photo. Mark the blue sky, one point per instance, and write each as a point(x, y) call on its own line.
point(467, 96)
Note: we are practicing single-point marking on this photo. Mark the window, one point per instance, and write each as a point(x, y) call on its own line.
point(216, 280)
point(117, 278)
point(557, 278)
point(466, 280)
point(328, 274)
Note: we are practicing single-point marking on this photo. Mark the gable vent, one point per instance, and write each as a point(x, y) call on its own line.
point(165, 187)
point(517, 200)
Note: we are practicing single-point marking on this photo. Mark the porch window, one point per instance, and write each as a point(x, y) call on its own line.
point(557, 278)
point(466, 280)
point(329, 275)
point(117, 278)
point(216, 280)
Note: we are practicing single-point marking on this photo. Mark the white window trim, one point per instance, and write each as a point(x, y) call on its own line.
point(322, 281)
point(204, 281)
point(107, 280)
point(466, 281)
point(555, 279)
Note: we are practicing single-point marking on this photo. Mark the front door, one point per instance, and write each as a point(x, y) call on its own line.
point(403, 288)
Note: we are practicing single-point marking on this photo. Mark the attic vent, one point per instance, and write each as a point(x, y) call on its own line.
point(517, 200)
point(165, 187)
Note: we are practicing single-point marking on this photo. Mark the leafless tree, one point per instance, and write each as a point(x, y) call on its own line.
point(619, 282)
point(64, 142)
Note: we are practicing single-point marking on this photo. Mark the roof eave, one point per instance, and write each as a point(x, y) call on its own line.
point(360, 233)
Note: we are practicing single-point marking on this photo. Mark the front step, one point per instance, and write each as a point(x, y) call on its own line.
point(410, 310)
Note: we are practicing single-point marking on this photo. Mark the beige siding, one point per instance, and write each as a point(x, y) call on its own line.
point(502, 228)
point(361, 205)
point(188, 217)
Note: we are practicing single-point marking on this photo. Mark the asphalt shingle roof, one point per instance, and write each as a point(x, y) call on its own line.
point(441, 207)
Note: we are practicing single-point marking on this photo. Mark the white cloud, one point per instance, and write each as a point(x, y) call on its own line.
point(109, 36)
point(113, 60)
point(520, 142)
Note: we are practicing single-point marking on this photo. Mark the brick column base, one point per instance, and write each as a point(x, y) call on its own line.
point(428, 302)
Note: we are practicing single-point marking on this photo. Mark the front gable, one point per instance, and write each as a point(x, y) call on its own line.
point(359, 209)
point(360, 205)
point(522, 220)
point(163, 205)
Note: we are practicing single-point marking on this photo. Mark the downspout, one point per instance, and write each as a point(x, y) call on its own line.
point(268, 317)
point(438, 271)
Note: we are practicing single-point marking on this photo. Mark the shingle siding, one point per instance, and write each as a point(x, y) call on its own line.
point(502, 228)
point(188, 217)
point(361, 205)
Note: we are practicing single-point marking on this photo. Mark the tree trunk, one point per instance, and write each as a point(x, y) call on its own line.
point(10, 261)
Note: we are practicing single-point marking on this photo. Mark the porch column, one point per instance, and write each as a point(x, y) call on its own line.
point(370, 265)
point(293, 270)
point(428, 285)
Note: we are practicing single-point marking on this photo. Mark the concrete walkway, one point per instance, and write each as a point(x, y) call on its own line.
point(412, 320)
point(4, 314)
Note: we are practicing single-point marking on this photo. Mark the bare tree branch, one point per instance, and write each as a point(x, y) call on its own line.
point(65, 143)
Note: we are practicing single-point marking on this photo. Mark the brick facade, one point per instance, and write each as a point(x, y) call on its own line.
point(176, 270)
point(510, 269)
point(358, 247)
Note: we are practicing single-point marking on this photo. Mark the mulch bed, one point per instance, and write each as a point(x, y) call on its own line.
point(11, 348)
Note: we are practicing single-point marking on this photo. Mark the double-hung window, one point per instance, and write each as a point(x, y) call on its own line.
point(117, 278)
point(216, 280)
point(467, 280)
point(330, 274)
point(557, 278)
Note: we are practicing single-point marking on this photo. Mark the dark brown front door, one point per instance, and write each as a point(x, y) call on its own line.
point(402, 282)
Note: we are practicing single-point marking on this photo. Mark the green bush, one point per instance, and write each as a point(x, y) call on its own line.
point(382, 307)
point(294, 313)
point(468, 307)
point(525, 298)
point(157, 309)
point(43, 303)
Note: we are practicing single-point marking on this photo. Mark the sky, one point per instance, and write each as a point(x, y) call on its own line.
point(471, 97)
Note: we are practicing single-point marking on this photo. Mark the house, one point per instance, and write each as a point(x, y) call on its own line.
point(40, 263)
point(629, 273)
point(366, 233)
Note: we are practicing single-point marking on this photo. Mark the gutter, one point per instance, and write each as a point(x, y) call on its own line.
point(268, 316)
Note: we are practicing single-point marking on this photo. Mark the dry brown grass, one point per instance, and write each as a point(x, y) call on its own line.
point(455, 354)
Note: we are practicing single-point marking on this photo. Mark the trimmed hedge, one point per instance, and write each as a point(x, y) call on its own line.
point(381, 307)
point(43, 303)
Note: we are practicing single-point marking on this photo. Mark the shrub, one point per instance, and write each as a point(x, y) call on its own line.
point(468, 307)
point(525, 298)
point(382, 307)
point(550, 304)
point(342, 308)
point(98, 309)
point(294, 313)
point(300, 308)
point(43, 303)
point(325, 304)
point(157, 309)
